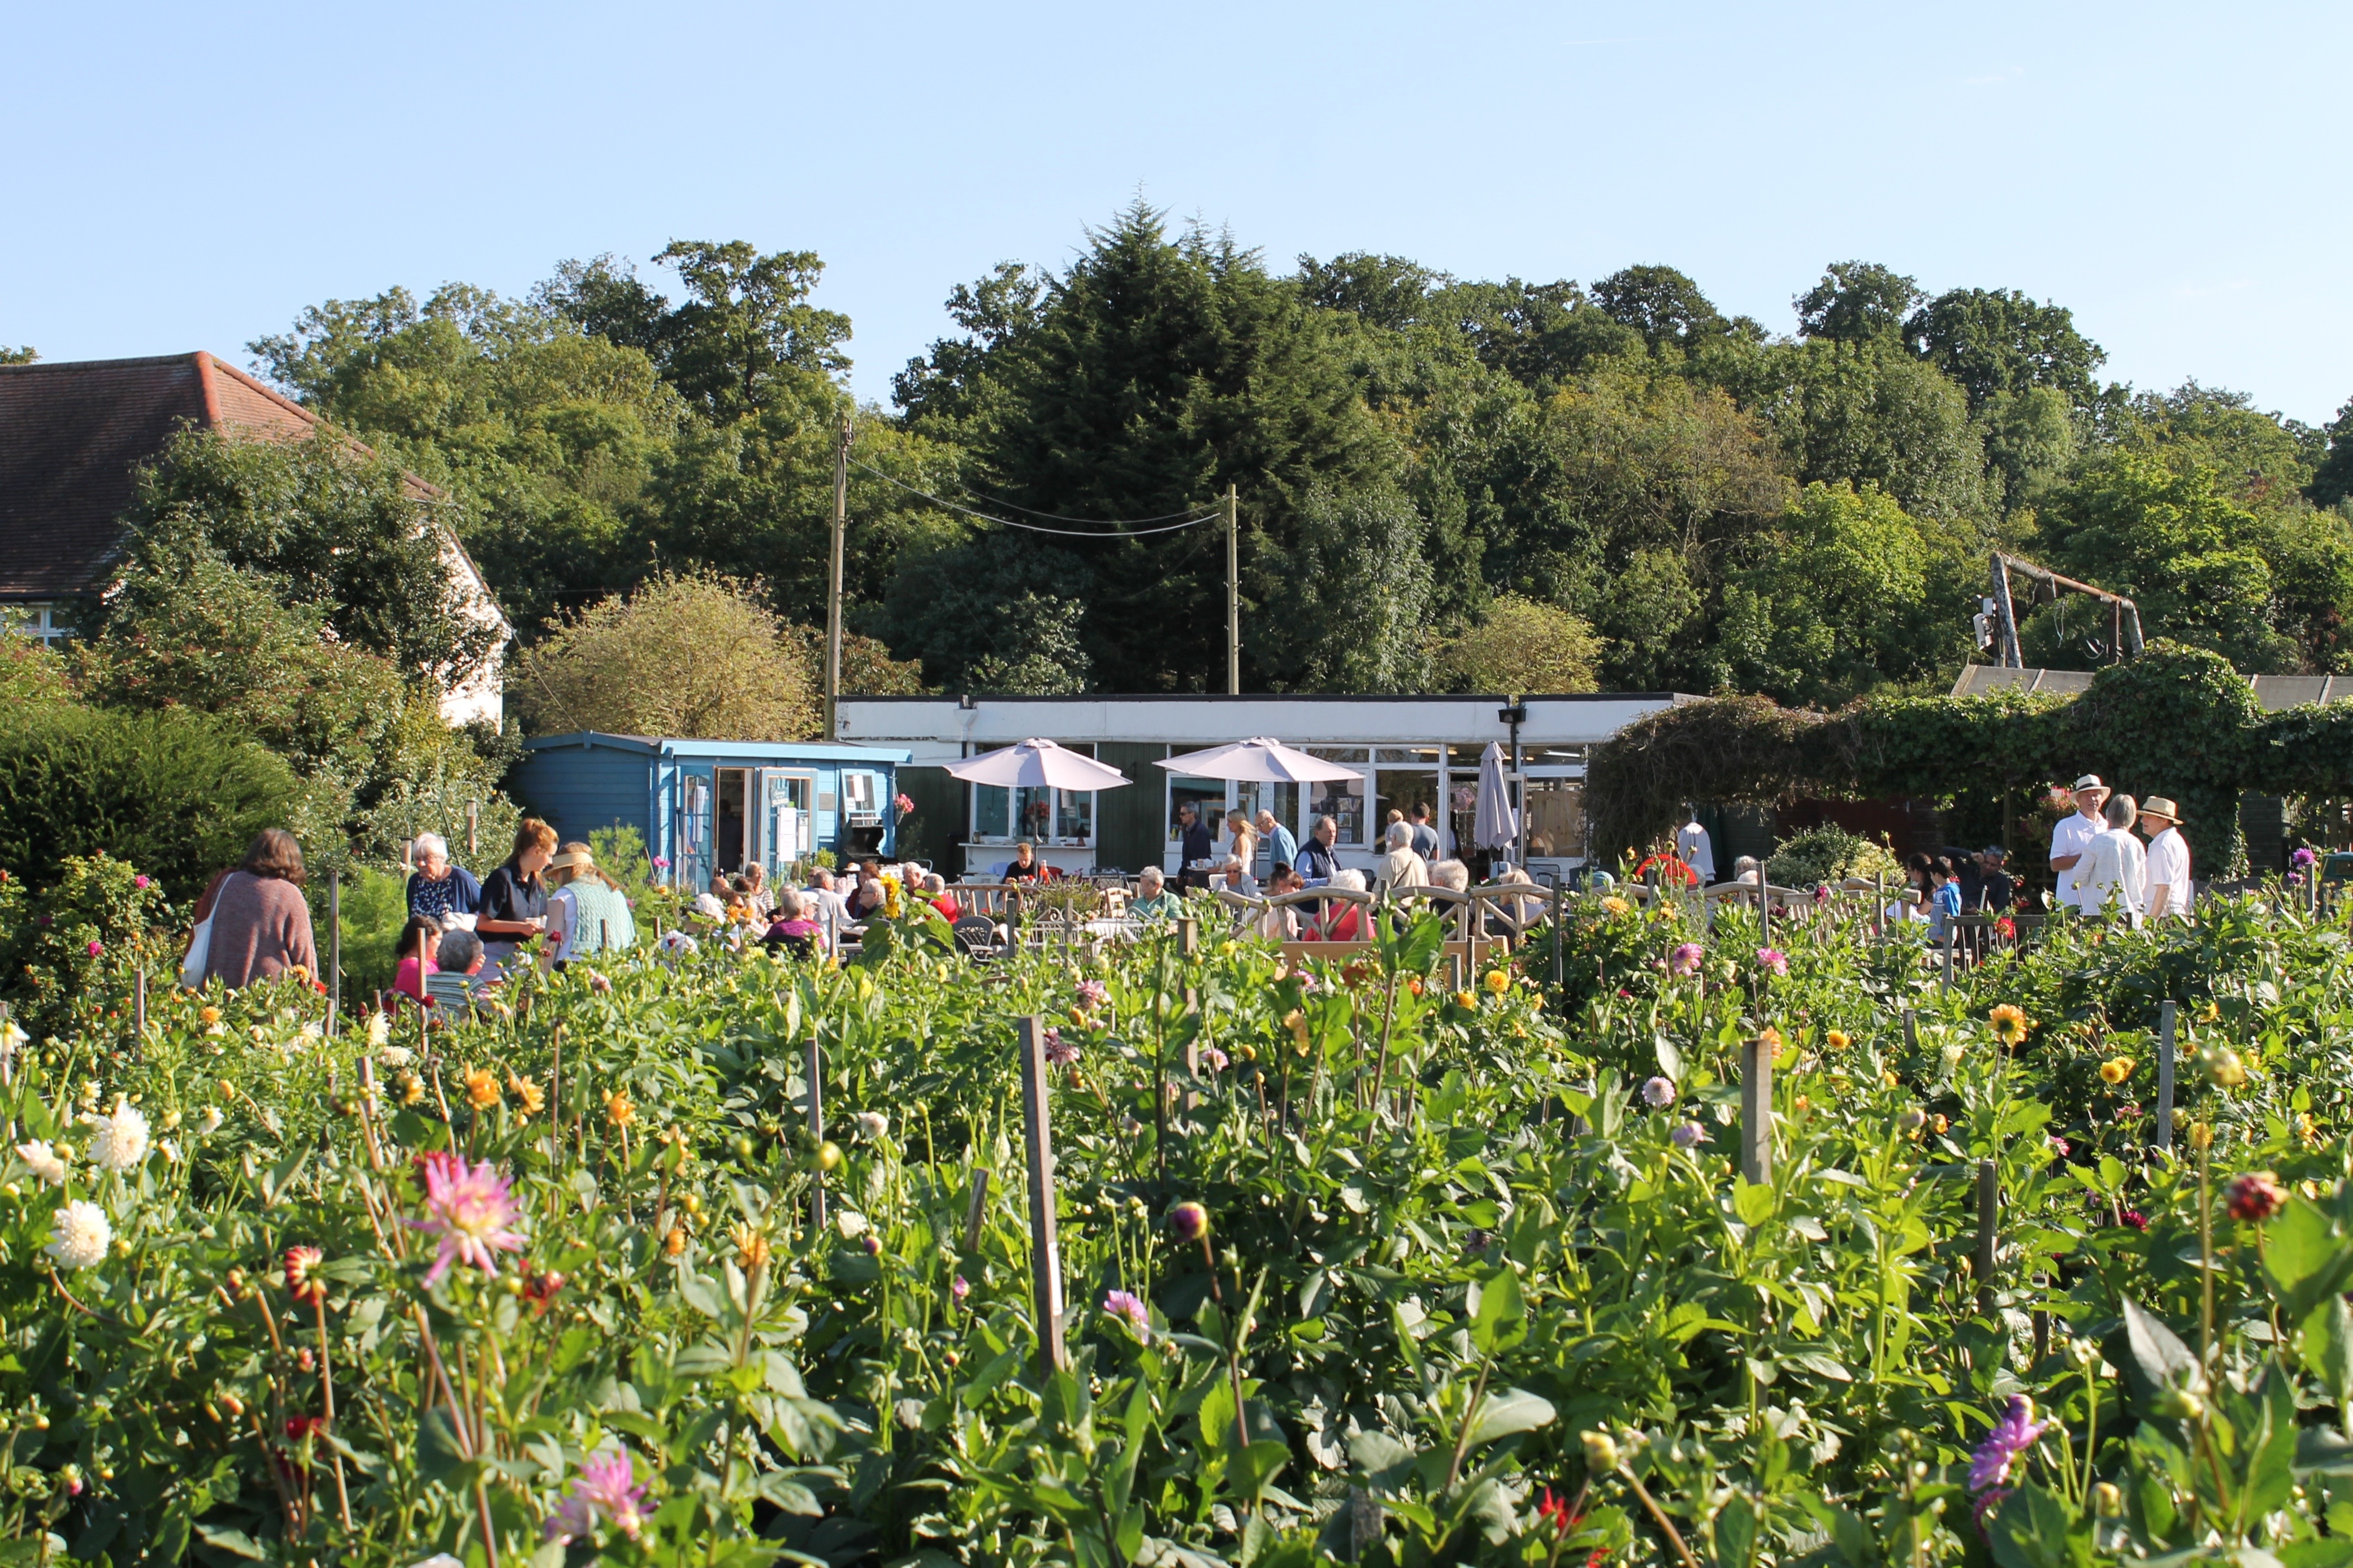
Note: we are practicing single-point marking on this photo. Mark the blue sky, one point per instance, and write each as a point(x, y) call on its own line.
point(181, 177)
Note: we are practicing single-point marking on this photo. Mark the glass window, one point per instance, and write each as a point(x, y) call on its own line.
point(1074, 815)
point(1555, 817)
point(1033, 816)
point(1337, 753)
point(1206, 796)
point(1342, 800)
point(1282, 799)
point(990, 802)
point(1401, 790)
point(1424, 756)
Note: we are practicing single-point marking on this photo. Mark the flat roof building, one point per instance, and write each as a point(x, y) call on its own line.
point(1405, 751)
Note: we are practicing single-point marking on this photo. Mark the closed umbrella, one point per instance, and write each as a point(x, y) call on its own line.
point(1037, 764)
point(1495, 826)
point(1258, 761)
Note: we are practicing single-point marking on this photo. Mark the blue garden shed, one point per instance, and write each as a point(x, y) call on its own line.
point(716, 806)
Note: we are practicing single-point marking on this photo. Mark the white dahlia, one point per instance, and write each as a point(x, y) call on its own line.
point(81, 1236)
point(119, 1140)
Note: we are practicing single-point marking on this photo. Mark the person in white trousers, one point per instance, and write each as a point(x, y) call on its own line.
point(2075, 834)
point(2169, 860)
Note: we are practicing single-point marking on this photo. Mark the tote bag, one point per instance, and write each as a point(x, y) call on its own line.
point(200, 947)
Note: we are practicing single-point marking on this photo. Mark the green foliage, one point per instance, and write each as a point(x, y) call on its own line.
point(683, 656)
point(1850, 594)
point(1471, 1290)
point(68, 949)
point(175, 795)
point(2176, 721)
point(337, 533)
point(191, 633)
point(1521, 648)
point(1356, 597)
point(1829, 853)
point(374, 906)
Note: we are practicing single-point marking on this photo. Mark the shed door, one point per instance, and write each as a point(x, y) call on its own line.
point(785, 820)
point(692, 854)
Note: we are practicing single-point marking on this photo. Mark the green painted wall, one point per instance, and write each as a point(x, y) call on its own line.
point(938, 828)
point(1129, 833)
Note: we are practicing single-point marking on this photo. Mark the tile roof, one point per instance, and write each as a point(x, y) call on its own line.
point(73, 435)
point(2272, 692)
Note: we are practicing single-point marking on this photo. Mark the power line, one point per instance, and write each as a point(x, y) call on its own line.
point(1033, 527)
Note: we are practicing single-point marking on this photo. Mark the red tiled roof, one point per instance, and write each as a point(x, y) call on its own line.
point(73, 435)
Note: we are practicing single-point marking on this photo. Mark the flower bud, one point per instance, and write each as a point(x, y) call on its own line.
point(2107, 1500)
point(2201, 1136)
point(1601, 1456)
point(2181, 1404)
point(829, 1155)
point(1189, 1222)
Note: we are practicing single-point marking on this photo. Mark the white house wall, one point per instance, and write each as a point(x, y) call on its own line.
point(939, 730)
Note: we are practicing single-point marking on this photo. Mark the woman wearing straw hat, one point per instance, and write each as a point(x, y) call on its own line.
point(2169, 858)
point(586, 914)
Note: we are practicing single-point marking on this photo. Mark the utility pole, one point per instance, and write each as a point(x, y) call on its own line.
point(1234, 595)
point(833, 579)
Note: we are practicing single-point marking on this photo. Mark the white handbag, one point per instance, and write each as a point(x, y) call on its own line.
point(200, 947)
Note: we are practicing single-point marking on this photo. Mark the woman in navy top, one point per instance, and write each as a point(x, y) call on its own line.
point(437, 889)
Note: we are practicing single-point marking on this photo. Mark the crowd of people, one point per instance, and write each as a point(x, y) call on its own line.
point(550, 903)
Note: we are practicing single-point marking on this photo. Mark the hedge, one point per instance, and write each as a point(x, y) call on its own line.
point(2176, 722)
point(175, 795)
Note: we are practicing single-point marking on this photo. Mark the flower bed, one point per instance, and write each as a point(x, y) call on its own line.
point(1407, 1268)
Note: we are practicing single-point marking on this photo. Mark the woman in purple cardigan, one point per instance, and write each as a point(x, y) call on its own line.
point(261, 925)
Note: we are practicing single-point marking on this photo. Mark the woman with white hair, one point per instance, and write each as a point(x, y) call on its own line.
point(1344, 921)
point(1400, 867)
point(436, 890)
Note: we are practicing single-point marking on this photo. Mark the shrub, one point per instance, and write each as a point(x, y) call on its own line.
point(375, 905)
point(78, 938)
point(1828, 854)
point(173, 794)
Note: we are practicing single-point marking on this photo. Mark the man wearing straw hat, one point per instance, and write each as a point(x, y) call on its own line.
point(2074, 836)
point(2169, 858)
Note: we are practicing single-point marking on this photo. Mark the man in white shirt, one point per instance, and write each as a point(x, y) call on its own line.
point(2169, 860)
point(2075, 834)
point(1692, 849)
point(2114, 866)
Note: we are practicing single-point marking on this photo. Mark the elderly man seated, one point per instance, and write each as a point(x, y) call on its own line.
point(1153, 899)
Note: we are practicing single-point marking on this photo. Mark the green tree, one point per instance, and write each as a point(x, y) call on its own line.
point(1857, 302)
point(1523, 646)
point(25, 356)
point(1360, 601)
point(1869, 413)
point(338, 531)
point(1665, 307)
point(993, 614)
point(545, 435)
point(2258, 460)
point(689, 654)
point(1158, 370)
point(2332, 480)
point(747, 335)
point(2168, 536)
point(1998, 341)
point(1848, 595)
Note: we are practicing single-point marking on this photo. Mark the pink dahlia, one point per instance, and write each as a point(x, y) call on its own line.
point(1130, 1310)
point(2012, 1436)
point(604, 1491)
point(1774, 958)
point(471, 1208)
point(1685, 959)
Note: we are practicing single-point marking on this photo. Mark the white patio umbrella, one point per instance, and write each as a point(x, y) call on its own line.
point(1258, 761)
point(1037, 765)
point(1494, 825)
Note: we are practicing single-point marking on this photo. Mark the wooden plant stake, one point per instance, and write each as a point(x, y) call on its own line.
point(979, 1210)
point(1945, 981)
point(139, 1005)
point(7, 1057)
point(1911, 1031)
point(335, 952)
point(2163, 1135)
point(1188, 943)
point(1038, 1146)
point(1757, 1111)
point(817, 1128)
point(1988, 1218)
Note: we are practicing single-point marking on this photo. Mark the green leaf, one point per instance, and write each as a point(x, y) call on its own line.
point(2306, 1260)
point(1500, 1321)
point(1752, 1201)
point(1513, 1410)
point(2157, 1350)
point(234, 1542)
